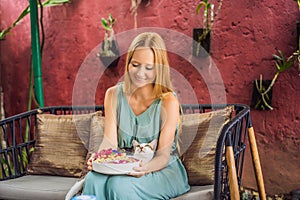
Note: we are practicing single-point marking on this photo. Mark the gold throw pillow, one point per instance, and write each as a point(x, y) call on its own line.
point(60, 145)
point(96, 137)
point(200, 132)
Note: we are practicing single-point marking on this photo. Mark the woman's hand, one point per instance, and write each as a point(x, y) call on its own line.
point(139, 171)
point(89, 162)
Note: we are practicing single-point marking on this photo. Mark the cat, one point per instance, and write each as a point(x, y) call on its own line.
point(144, 151)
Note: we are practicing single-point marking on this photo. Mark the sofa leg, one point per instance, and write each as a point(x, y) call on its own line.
point(256, 164)
point(233, 183)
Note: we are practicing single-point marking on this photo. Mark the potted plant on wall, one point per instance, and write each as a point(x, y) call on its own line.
point(109, 53)
point(262, 92)
point(201, 36)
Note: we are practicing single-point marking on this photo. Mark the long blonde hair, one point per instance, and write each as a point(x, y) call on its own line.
point(162, 84)
point(153, 41)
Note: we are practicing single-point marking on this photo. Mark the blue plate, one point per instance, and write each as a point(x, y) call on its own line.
point(84, 197)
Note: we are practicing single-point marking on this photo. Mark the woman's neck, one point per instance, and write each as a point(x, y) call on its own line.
point(140, 99)
point(143, 93)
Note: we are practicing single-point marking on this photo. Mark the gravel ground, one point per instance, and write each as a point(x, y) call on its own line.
point(248, 194)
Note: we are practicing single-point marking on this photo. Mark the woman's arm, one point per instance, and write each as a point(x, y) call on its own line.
point(169, 116)
point(110, 125)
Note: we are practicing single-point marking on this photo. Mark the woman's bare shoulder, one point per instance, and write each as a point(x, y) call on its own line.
point(169, 100)
point(112, 90)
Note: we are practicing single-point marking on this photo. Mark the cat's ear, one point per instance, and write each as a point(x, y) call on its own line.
point(135, 143)
point(153, 143)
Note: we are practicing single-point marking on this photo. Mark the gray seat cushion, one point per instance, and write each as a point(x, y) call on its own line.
point(198, 192)
point(36, 187)
point(55, 188)
point(195, 193)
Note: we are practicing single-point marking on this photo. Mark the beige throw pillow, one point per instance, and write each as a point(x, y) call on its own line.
point(96, 137)
point(199, 135)
point(60, 144)
point(96, 133)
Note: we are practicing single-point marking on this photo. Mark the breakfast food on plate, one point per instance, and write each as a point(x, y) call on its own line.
point(113, 156)
point(112, 161)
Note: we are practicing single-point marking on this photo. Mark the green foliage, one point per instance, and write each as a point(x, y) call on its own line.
point(55, 2)
point(204, 3)
point(282, 64)
point(207, 23)
point(209, 12)
point(26, 11)
point(209, 15)
point(108, 23)
point(263, 103)
point(6, 167)
point(23, 157)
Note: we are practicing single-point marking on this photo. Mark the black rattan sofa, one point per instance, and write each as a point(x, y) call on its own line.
point(14, 182)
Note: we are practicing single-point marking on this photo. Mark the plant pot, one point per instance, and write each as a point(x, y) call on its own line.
point(201, 42)
point(257, 100)
point(110, 61)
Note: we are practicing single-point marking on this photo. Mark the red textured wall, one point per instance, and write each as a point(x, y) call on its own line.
point(245, 35)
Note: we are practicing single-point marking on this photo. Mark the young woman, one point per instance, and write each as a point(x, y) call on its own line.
point(143, 108)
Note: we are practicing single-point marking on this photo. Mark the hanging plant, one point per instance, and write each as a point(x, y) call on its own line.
point(263, 100)
point(109, 53)
point(202, 35)
point(262, 94)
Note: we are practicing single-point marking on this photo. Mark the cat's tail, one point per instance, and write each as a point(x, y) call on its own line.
point(75, 189)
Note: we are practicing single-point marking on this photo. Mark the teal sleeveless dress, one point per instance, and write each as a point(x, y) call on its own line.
point(167, 183)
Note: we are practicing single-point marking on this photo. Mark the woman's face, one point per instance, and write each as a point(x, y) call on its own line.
point(141, 67)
